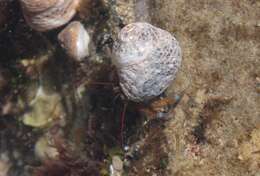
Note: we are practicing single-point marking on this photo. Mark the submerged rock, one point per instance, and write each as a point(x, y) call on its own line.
point(141, 9)
point(249, 151)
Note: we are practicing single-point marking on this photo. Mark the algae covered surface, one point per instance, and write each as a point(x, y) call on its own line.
point(63, 117)
point(214, 128)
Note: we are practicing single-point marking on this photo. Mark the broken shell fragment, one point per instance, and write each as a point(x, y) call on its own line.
point(147, 59)
point(44, 150)
point(44, 109)
point(44, 15)
point(75, 40)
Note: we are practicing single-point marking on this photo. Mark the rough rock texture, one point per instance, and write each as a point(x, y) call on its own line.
point(220, 108)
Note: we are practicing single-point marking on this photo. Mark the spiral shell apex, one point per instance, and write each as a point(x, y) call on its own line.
point(44, 15)
point(147, 59)
point(75, 40)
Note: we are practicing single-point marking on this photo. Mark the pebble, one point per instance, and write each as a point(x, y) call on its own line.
point(117, 163)
point(5, 165)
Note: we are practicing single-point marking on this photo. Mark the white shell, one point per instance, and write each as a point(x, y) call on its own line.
point(43, 15)
point(147, 60)
point(75, 40)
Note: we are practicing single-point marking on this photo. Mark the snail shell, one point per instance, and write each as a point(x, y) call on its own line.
point(43, 15)
point(75, 40)
point(147, 59)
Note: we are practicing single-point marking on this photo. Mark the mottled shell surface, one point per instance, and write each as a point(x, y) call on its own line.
point(147, 59)
point(44, 15)
point(75, 40)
